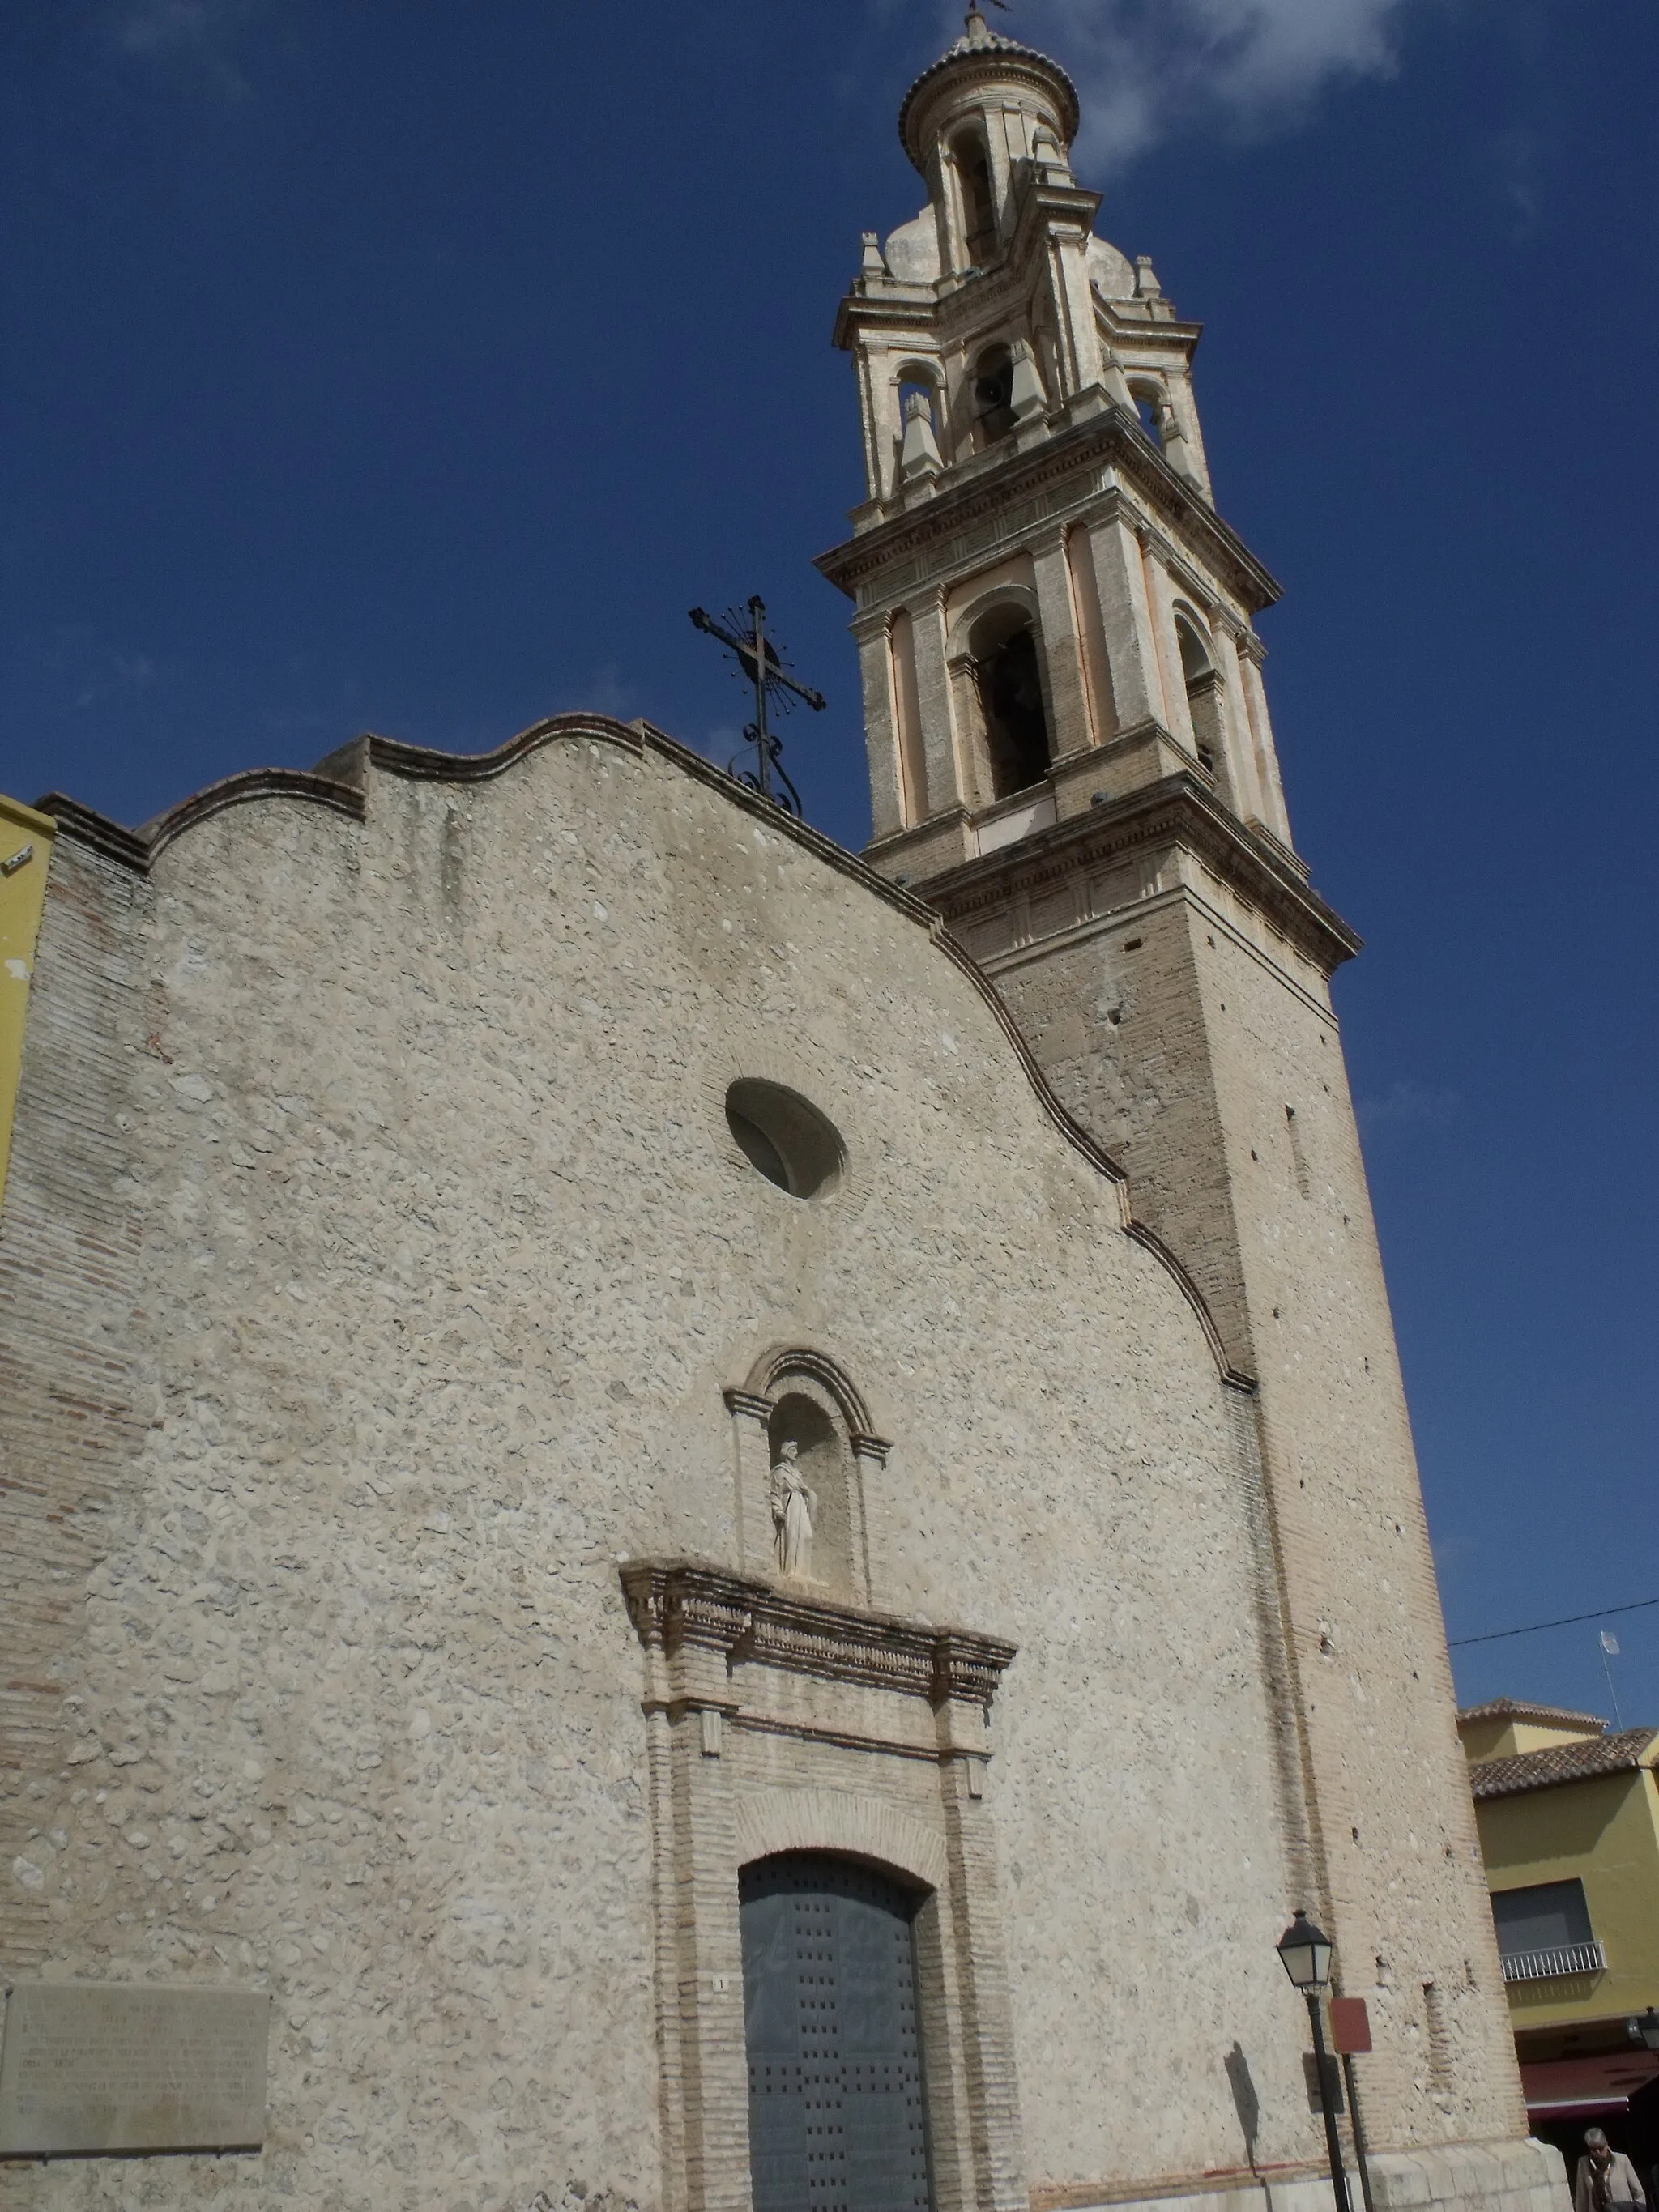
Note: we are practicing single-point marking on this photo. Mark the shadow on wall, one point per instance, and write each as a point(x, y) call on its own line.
point(1246, 2103)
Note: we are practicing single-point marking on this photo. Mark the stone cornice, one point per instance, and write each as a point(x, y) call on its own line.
point(674, 1603)
point(1177, 809)
point(1130, 329)
point(1110, 437)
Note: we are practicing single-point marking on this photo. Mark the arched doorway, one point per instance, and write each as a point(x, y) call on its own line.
point(836, 2119)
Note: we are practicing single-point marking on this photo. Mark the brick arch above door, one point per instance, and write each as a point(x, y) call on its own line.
point(773, 1820)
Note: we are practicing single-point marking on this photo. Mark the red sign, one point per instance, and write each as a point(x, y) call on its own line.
point(1351, 2025)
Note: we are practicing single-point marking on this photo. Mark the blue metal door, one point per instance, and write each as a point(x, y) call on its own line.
point(837, 2120)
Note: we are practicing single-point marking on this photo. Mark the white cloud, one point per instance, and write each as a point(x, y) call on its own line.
point(195, 34)
point(1412, 1104)
point(1144, 66)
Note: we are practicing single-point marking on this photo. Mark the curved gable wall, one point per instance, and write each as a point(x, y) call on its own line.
point(428, 1257)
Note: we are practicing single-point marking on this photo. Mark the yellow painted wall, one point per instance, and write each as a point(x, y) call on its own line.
point(1606, 1832)
point(1503, 1737)
point(22, 897)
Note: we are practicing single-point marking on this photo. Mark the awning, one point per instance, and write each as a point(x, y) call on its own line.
point(1579, 2089)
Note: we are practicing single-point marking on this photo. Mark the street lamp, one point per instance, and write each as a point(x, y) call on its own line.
point(1647, 2026)
point(1304, 1951)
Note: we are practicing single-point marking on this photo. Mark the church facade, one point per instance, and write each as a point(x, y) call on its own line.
point(709, 1525)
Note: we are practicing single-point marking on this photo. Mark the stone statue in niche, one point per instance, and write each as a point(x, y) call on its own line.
point(793, 1504)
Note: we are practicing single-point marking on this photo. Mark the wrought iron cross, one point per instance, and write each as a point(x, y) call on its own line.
point(758, 660)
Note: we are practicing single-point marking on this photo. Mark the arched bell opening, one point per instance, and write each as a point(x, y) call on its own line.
point(918, 394)
point(991, 392)
point(979, 213)
point(1008, 675)
point(1152, 405)
point(923, 444)
point(1205, 701)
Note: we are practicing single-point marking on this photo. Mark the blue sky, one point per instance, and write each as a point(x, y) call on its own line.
point(415, 367)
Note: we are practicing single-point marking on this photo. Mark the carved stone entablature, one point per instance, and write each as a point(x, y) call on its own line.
point(1176, 810)
point(677, 1605)
point(1066, 471)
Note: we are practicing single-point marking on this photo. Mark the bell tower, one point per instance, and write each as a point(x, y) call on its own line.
point(1071, 758)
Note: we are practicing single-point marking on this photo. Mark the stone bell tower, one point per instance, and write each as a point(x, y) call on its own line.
point(1071, 758)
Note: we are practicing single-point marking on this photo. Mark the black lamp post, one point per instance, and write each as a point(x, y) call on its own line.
point(1647, 2025)
point(1304, 1951)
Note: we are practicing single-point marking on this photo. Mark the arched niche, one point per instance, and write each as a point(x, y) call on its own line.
point(800, 1418)
point(800, 1398)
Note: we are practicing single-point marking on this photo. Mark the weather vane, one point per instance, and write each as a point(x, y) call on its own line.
point(758, 660)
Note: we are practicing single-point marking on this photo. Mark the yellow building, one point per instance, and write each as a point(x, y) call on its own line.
point(25, 855)
point(1568, 1820)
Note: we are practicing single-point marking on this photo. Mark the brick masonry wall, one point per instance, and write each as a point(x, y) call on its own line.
point(409, 1253)
point(72, 1417)
point(1220, 1027)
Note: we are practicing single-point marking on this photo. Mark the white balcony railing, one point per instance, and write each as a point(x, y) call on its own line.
point(1565, 1959)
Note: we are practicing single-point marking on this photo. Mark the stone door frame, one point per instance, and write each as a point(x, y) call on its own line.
point(782, 1722)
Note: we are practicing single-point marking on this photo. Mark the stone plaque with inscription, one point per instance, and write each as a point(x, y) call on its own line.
point(88, 2067)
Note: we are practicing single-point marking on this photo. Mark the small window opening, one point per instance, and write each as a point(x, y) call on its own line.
point(993, 392)
point(1010, 680)
point(785, 1138)
point(978, 204)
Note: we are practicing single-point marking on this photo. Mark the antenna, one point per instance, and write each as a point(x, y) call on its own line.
point(1610, 1650)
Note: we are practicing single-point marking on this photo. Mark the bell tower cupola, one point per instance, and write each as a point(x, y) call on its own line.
point(1050, 609)
point(983, 109)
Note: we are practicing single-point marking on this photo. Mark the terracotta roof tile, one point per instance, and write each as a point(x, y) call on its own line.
point(1564, 1762)
point(1517, 1709)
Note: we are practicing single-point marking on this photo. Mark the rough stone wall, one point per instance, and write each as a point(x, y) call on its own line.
point(1221, 1087)
point(434, 1257)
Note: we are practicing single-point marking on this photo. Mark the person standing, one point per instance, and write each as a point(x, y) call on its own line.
point(1605, 2177)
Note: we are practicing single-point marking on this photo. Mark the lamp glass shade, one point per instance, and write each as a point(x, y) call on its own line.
point(1648, 2023)
point(1305, 1954)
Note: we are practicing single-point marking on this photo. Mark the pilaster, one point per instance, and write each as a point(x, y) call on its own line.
point(1125, 617)
point(941, 748)
point(1177, 715)
point(1276, 815)
point(881, 733)
point(1062, 646)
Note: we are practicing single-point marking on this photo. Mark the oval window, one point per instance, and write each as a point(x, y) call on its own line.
point(785, 1137)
